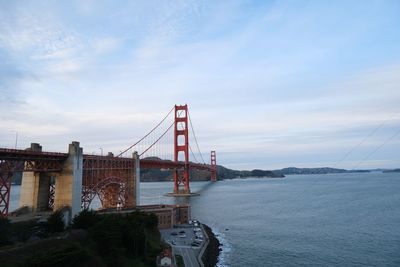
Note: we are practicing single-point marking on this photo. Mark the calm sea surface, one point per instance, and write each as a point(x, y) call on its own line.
point(302, 220)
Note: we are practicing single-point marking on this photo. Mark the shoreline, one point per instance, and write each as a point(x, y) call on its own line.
point(211, 254)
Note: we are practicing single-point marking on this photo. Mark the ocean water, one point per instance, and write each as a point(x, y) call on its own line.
point(301, 220)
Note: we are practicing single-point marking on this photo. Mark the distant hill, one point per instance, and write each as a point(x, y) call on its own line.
point(157, 175)
point(388, 171)
point(323, 170)
point(225, 173)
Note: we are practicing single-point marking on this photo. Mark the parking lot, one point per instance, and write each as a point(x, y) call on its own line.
point(184, 242)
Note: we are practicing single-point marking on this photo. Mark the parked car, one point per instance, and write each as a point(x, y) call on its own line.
point(195, 244)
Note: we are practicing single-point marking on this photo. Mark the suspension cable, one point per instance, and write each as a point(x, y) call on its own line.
point(194, 134)
point(162, 134)
point(152, 130)
point(190, 148)
point(363, 140)
point(376, 149)
point(157, 140)
point(154, 142)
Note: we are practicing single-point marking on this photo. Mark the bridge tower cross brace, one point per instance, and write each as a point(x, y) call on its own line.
point(181, 177)
point(213, 166)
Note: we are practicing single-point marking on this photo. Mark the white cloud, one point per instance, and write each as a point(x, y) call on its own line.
point(65, 67)
point(106, 45)
point(258, 81)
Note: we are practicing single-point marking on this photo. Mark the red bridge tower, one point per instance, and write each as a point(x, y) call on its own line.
point(181, 177)
point(213, 166)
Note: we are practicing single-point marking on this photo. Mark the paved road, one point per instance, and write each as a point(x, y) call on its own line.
point(188, 254)
point(182, 245)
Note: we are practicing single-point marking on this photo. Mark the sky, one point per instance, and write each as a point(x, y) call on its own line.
point(269, 84)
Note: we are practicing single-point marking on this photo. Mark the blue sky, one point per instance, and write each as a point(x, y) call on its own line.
point(269, 84)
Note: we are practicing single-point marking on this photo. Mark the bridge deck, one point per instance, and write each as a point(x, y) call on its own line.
point(20, 155)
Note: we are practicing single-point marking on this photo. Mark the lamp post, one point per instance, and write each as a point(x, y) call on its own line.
point(16, 139)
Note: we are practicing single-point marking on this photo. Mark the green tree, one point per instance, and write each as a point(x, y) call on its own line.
point(151, 221)
point(107, 234)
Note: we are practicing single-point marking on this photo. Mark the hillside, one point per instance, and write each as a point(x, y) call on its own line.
point(225, 173)
point(157, 175)
point(323, 170)
point(92, 240)
point(389, 171)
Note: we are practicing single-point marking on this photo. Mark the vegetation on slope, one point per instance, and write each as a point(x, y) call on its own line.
point(93, 240)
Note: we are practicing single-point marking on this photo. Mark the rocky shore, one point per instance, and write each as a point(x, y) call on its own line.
point(211, 254)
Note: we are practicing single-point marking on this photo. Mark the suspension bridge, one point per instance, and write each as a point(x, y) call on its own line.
point(52, 180)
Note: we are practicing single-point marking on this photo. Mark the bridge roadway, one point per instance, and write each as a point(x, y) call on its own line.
point(52, 161)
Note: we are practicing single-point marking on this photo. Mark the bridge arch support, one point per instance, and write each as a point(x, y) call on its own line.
point(111, 191)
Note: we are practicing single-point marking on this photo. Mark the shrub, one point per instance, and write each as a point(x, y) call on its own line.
point(4, 231)
point(69, 255)
point(55, 223)
point(85, 219)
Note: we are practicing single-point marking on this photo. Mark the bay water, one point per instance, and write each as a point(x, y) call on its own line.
point(301, 220)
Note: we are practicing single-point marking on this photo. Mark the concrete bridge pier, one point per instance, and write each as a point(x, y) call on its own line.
point(68, 184)
point(35, 187)
point(137, 178)
point(132, 193)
